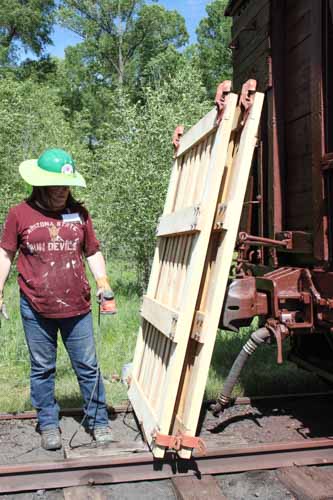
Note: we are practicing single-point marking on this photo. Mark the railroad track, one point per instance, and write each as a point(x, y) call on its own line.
point(99, 470)
point(143, 467)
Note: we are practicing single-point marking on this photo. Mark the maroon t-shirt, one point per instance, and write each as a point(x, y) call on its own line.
point(50, 263)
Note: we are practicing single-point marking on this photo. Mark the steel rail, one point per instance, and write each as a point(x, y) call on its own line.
point(66, 412)
point(127, 408)
point(272, 398)
point(140, 467)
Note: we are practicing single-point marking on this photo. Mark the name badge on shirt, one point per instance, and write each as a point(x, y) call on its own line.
point(71, 217)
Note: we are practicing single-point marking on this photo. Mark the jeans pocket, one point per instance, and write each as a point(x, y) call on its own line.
point(25, 308)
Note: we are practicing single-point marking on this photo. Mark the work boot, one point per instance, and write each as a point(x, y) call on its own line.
point(51, 439)
point(102, 435)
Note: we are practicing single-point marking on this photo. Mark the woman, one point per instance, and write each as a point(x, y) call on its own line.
point(53, 232)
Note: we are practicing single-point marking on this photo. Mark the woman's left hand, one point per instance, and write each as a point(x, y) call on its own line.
point(104, 290)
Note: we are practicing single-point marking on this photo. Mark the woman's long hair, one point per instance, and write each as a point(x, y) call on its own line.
point(39, 195)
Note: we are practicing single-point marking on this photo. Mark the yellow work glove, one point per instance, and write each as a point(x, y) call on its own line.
point(105, 296)
point(104, 290)
point(3, 310)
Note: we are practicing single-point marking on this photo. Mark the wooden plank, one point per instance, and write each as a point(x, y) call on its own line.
point(295, 11)
point(308, 483)
point(138, 354)
point(183, 221)
point(185, 171)
point(143, 409)
point(163, 318)
point(300, 210)
point(197, 132)
point(220, 260)
point(161, 243)
point(294, 221)
point(257, 66)
point(298, 33)
point(298, 178)
point(248, 40)
point(164, 270)
point(251, 46)
point(111, 450)
point(297, 82)
point(251, 11)
point(298, 133)
point(84, 492)
point(194, 488)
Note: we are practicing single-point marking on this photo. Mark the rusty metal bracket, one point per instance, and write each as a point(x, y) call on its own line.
point(179, 441)
point(257, 201)
point(280, 332)
point(223, 90)
point(220, 215)
point(196, 332)
point(260, 241)
point(177, 135)
point(247, 97)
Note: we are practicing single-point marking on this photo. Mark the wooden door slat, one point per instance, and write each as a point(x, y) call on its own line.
point(160, 316)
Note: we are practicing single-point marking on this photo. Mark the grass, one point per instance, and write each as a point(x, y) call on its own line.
point(261, 375)
point(115, 340)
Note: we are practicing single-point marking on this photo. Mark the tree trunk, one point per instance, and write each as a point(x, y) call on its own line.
point(120, 50)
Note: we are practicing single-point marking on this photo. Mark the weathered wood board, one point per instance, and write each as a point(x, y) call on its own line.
point(215, 275)
point(183, 237)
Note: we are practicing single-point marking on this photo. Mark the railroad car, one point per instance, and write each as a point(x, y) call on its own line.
point(284, 269)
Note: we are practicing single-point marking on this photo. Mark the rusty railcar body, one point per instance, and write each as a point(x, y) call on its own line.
point(284, 271)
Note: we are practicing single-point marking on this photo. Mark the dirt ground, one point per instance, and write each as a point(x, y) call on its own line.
point(238, 425)
point(20, 443)
point(270, 421)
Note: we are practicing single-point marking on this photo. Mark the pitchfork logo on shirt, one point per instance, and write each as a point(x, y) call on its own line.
point(54, 233)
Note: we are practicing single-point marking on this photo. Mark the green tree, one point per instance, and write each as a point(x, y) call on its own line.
point(41, 70)
point(213, 45)
point(120, 37)
point(25, 22)
point(31, 119)
point(134, 159)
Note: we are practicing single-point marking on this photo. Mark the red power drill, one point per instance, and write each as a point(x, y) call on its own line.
point(108, 303)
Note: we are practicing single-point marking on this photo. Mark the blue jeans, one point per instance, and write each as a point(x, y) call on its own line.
point(77, 336)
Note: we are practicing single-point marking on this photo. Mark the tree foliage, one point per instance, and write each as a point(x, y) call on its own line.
point(120, 37)
point(30, 121)
point(135, 159)
point(113, 101)
point(213, 45)
point(26, 22)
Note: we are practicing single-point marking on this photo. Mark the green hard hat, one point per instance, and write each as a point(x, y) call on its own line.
point(54, 167)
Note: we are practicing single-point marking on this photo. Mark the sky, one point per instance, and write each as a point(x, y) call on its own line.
point(191, 10)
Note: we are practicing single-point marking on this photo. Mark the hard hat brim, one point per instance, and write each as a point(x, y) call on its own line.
point(36, 176)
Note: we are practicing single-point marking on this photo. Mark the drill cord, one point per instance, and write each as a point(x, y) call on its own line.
point(98, 374)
